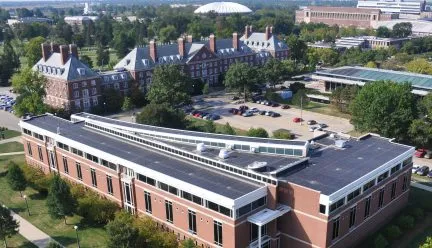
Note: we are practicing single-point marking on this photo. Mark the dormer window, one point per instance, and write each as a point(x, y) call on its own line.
point(81, 71)
point(123, 76)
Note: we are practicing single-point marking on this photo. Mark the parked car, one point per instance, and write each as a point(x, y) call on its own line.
point(312, 128)
point(243, 107)
point(311, 122)
point(297, 119)
point(420, 153)
point(269, 113)
point(322, 125)
point(262, 112)
point(423, 171)
point(285, 106)
point(274, 114)
point(247, 113)
point(275, 104)
point(254, 110)
point(415, 168)
point(428, 155)
point(429, 174)
point(235, 98)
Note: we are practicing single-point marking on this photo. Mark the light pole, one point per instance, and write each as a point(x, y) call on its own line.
point(105, 108)
point(28, 209)
point(76, 231)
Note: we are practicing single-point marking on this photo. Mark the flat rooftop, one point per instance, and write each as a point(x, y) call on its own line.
point(201, 176)
point(331, 168)
point(372, 74)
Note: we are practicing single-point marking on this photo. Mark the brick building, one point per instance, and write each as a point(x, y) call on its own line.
point(230, 191)
point(206, 59)
point(342, 16)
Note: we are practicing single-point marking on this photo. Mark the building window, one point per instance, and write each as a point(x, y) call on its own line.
point(322, 209)
point(383, 176)
point(367, 207)
point(93, 82)
point(169, 211)
point(254, 231)
point(335, 233)
point(381, 198)
point(368, 185)
point(393, 190)
point(76, 94)
point(404, 183)
point(86, 103)
point(29, 149)
point(84, 84)
point(217, 229)
point(352, 216)
point(192, 222)
point(65, 165)
point(353, 194)
point(93, 177)
point(77, 104)
point(75, 85)
point(125, 85)
point(116, 86)
point(109, 185)
point(79, 172)
point(94, 91)
point(148, 204)
point(40, 153)
point(95, 101)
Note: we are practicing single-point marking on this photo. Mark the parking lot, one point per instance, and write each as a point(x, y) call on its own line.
point(7, 119)
point(222, 105)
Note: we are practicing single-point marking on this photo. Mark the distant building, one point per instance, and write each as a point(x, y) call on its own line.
point(12, 22)
point(88, 10)
point(394, 6)
point(355, 75)
point(79, 20)
point(223, 8)
point(419, 27)
point(364, 42)
point(342, 16)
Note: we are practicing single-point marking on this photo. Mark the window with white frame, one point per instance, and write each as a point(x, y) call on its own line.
point(85, 92)
point(94, 91)
point(93, 83)
point(86, 103)
point(95, 101)
point(84, 84)
point(75, 85)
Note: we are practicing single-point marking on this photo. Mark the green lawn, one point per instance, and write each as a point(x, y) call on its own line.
point(11, 147)
point(326, 109)
point(11, 133)
point(18, 241)
point(200, 123)
point(65, 234)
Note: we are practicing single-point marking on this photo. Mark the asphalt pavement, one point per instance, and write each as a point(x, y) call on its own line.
point(7, 119)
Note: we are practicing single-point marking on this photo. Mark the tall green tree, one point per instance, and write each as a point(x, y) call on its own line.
point(383, 32)
point(151, 236)
point(402, 30)
point(420, 132)
point(15, 178)
point(9, 63)
point(121, 232)
point(86, 60)
point(241, 77)
point(168, 34)
point(60, 202)
point(273, 71)
point(102, 56)
point(8, 226)
point(33, 50)
point(30, 85)
point(169, 85)
point(385, 108)
point(161, 115)
point(298, 48)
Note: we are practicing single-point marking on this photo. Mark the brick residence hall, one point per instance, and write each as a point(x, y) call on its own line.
point(230, 191)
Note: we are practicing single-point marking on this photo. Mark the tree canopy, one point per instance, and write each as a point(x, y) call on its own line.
point(15, 177)
point(273, 71)
point(161, 115)
point(8, 226)
point(402, 30)
point(30, 85)
point(241, 77)
point(385, 108)
point(60, 202)
point(121, 232)
point(33, 50)
point(257, 132)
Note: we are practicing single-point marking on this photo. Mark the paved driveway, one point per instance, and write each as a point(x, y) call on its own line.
point(7, 119)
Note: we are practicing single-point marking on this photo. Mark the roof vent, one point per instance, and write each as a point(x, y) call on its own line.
point(201, 147)
point(223, 154)
point(340, 143)
point(257, 165)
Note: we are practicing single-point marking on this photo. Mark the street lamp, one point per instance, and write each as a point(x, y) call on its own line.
point(28, 209)
point(105, 107)
point(76, 231)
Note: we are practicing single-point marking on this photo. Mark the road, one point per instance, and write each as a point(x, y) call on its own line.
point(7, 119)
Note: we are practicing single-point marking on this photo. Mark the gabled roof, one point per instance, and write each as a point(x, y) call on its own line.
point(72, 70)
point(258, 41)
point(225, 48)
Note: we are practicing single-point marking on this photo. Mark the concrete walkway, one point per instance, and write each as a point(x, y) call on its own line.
point(31, 233)
point(17, 139)
point(11, 153)
point(421, 186)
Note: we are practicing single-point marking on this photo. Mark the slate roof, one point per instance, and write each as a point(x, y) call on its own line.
point(53, 68)
point(257, 41)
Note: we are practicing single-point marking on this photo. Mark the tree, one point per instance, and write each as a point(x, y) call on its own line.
point(168, 33)
point(60, 202)
point(383, 32)
point(102, 56)
point(188, 243)
point(15, 178)
point(298, 48)
point(420, 132)
point(282, 134)
point(342, 97)
point(93, 208)
point(296, 86)
point(209, 127)
point(426, 106)
point(393, 232)
point(402, 30)
point(127, 104)
point(30, 85)
point(138, 97)
point(380, 242)
point(9, 62)
point(241, 77)
point(86, 60)
point(8, 226)
point(227, 129)
point(121, 232)
point(33, 50)
point(419, 66)
point(112, 100)
point(428, 243)
point(371, 64)
point(151, 236)
point(385, 108)
point(257, 132)
point(169, 85)
point(300, 98)
point(161, 115)
point(405, 222)
point(205, 89)
point(273, 71)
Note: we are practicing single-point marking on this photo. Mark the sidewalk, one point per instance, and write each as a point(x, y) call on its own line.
point(31, 233)
point(17, 139)
point(421, 186)
point(11, 153)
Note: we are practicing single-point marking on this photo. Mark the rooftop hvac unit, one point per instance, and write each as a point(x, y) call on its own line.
point(223, 154)
point(340, 143)
point(257, 165)
point(201, 147)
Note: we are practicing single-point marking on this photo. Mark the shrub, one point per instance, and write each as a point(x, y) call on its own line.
point(380, 241)
point(418, 213)
point(78, 191)
point(282, 134)
point(209, 127)
point(227, 129)
point(405, 222)
point(393, 232)
point(95, 209)
point(257, 132)
point(37, 179)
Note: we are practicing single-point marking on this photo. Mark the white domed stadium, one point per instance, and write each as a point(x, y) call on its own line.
point(223, 8)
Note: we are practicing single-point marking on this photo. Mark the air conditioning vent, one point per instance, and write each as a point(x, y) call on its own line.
point(223, 154)
point(201, 147)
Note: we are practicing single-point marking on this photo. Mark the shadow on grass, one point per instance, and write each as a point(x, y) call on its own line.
point(37, 196)
point(27, 244)
point(18, 209)
point(65, 241)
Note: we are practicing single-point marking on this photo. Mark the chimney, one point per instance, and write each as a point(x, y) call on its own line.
point(271, 30)
point(45, 51)
point(267, 33)
point(213, 43)
point(153, 50)
point(247, 33)
point(181, 46)
point(55, 48)
point(64, 52)
point(250, 29)
point(235, 41)
point(189, 39)
point(73, 49)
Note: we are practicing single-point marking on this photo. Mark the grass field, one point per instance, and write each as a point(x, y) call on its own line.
point(18, 241)
point(91, 52)
point(11, 133)
point(65, 234)
point(326, 109)
point(11, 147)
